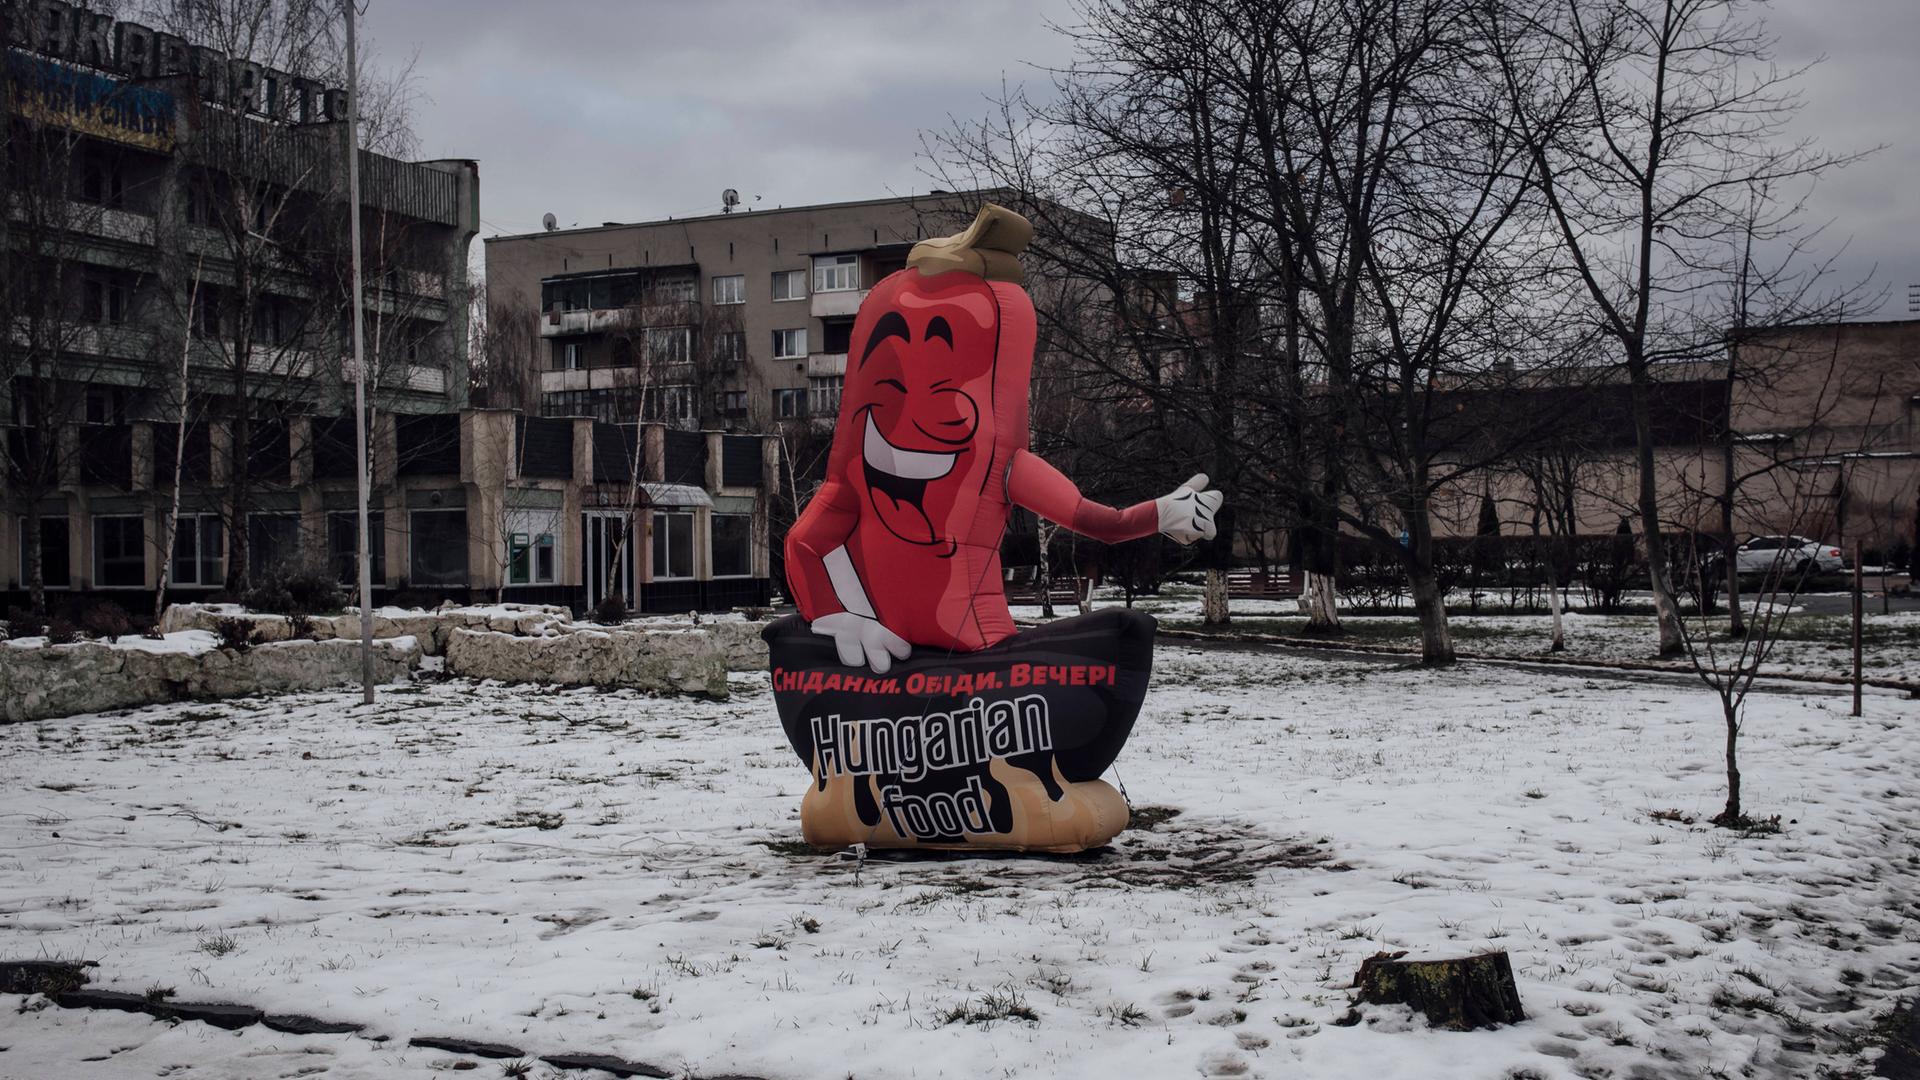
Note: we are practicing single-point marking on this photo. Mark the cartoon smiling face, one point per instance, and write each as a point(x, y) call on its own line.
point(920, 400)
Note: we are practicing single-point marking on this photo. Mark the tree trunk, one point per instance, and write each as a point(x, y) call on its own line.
point(1429, 606)
point(239, 475)
point(1319, 598)
point(1458, 994)
point(36, 575)
point(1213, 604)
point(1730, 712)
point(1553, 602)
point(1666, 608)
point(1044, 571)
point(1436, 642)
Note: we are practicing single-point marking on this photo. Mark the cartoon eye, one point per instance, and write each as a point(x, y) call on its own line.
point(895, 383)
point(938, 328)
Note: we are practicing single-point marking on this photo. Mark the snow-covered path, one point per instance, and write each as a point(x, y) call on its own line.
point(583, 871)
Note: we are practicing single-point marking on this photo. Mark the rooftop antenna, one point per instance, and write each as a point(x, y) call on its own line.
point(549, 222)
point(729, 199)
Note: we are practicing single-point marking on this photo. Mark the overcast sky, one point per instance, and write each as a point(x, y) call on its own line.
point(620, 110)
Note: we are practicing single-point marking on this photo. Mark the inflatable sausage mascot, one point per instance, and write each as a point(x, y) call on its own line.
point(925, 719)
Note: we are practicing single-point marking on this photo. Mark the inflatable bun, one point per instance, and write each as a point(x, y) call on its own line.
point(1000, 749)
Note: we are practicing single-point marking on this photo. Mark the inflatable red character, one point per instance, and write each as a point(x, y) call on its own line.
point(896, 563)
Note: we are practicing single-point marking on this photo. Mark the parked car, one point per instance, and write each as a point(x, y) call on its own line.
point(1788, 554)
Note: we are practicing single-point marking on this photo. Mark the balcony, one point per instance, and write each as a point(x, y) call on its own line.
point(844, 303)
point(824, 365)
point(591, 321)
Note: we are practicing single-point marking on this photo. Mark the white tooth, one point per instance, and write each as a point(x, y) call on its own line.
point(906, 464)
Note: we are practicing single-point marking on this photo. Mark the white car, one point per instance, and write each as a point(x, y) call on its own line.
point(1788, 554)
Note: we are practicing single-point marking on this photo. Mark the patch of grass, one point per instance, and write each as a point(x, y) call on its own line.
point(1148, 818)
point(157, 992)
point(1126, 1014)
point(544, 820)
point(221, 944)
point(792, 849)
point(1003, 1004)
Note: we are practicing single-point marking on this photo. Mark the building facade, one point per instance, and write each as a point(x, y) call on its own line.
point(735, 320)
point(177, 377)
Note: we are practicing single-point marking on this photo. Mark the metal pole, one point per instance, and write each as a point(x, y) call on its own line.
point(1857, 615)
point(359, 357)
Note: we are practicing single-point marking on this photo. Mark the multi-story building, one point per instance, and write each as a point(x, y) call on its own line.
point(178, 294)
point(738, 320)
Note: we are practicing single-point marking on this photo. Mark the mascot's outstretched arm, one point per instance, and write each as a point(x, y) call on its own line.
point(1186, 513)
point(827, 588)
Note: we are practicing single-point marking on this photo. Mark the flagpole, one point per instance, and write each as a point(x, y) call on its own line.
point(359, 358)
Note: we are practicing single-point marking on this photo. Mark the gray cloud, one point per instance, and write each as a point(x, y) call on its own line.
point(606, 110)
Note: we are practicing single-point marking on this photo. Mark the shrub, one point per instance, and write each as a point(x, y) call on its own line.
point(299, 626)
point(296, 590)
point(611, 610)
point(106, 620)
point(22, 623)
point(235, 634)
point(61, 631)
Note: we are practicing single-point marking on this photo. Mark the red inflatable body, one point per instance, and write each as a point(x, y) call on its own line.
point(930, 450)
point(925, 719)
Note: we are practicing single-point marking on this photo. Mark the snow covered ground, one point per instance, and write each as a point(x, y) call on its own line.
point(1808, 643)
point(576, 871)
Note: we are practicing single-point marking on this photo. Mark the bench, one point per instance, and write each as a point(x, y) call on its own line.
point(1263, 584)
point(1063, 590)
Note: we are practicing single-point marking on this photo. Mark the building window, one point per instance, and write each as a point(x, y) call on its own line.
point(273, 541)
point(567, 356)
point(530, 547)
point(789, 403)
point(732, 545)
point(56, 569)
point(208, 318)
point(671, 402)
point(823, 395)
point(730, 289)
point(105, 298)
point(438, 548)
point(730, 347)
point(120, 552)
point(106, 405)
point(670, 344)
point(199, 551)
point(672, 546)
point(838, 334)
point(790, 344)
point(836, 273)
point(789, 284)
point(730, 403)
point(677, 291)
point(343, 546)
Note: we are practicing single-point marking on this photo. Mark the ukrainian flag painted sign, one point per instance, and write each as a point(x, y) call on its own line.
point(105, 108)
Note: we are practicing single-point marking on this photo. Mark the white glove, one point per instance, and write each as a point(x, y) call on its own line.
point(1186, 513)
point(862, 641)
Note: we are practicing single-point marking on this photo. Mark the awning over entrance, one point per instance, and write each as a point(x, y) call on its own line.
point(677, 495)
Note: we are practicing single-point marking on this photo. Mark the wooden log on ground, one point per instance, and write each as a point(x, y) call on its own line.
point(1459, 994)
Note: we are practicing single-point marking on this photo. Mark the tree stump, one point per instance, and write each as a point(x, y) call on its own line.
point(1460, 994)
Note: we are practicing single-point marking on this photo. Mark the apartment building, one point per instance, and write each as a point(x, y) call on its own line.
point(734, 320)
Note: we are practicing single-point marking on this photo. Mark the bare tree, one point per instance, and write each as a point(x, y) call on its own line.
point(1656, 135)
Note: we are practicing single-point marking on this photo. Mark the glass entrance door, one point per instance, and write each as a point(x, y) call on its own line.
point(607, 556)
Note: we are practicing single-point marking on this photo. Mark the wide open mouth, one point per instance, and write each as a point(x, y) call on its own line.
point(897, 481)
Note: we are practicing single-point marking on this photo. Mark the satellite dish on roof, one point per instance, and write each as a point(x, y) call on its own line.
point(729, 199)
point(549, 222)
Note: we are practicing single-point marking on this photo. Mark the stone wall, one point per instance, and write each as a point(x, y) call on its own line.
point(431, 628)
point(671, 661)
point(64, 680)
